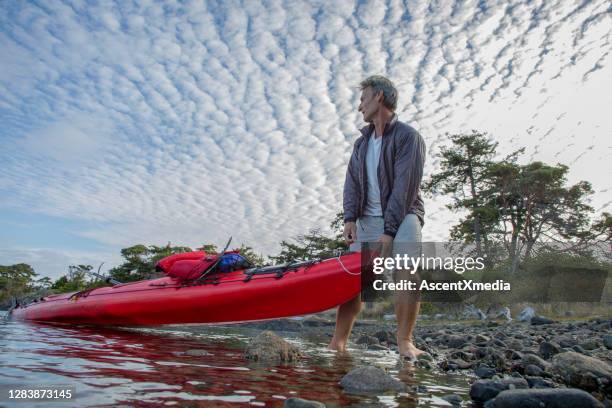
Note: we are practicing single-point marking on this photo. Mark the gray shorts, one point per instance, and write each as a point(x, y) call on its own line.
point(407, 240)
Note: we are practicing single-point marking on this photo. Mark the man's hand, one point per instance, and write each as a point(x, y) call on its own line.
point(350, 232)
point(387, 245)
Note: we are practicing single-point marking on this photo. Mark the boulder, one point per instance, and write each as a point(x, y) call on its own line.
point(543, 397)
point(582, 371)
point(548, 349)
point(368, 380)
point(526, 314)
point(607, 341)
point(269, 347)
point(484, 371)
point(540, 320)
point(484, 390)
point(472, 312)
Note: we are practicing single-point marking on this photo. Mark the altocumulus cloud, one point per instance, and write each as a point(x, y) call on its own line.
point(191, 121)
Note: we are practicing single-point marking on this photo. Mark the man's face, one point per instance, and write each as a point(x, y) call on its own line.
point(370, 103)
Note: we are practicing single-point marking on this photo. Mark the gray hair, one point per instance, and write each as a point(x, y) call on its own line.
point(382, 84)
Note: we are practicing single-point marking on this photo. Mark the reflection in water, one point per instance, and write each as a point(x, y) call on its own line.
point(152, 367)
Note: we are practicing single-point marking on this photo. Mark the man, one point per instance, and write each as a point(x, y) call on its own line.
point(382, 202)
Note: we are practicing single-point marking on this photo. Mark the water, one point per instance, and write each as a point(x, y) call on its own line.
point(150, 367)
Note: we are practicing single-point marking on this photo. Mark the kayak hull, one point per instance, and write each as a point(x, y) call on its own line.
point(229, 297)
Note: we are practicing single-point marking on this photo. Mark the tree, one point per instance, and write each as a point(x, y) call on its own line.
point(313, 245)
point(463, 169)
point(15, 280)
point(534, 205)
point(140, 261)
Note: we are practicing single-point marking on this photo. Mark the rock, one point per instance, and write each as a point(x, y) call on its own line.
point(499, 343)
point(539, 382)
point(540, 320)
point(377, 347)
point(385, 336)
point(607, 341)
point(548, 349)
point(367, 340)
point(526, 314)
point(589, 345)
point(481, 338)
point(567, 342)
point(197, 353)
point(548, 398)
point(579, 349)
point(472, 312)
point(454, 364)
point(454, 341)
point(316, 321)
point(484, 371)
point(582, 371)
point(499, 313)
point(484, 390)
point(424, 360)
point(452, 399)
point(370, 379)
point(533, 370)
point(269, 347)
point(302, 403)
point(534, 360)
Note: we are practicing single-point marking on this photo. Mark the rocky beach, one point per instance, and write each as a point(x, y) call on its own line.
point(536, 362)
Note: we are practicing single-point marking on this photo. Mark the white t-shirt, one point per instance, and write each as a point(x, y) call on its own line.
point(373, 206)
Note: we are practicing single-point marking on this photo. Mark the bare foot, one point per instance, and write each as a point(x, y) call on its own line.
point(408, 350)
point(337, 346)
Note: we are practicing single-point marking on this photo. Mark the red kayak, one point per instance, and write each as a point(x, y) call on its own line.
point(189, 295)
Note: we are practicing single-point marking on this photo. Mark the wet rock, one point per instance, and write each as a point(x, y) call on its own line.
point(424, 360)
point(370, 379)
point(269, 347)
point(453, 399)
point(484, 390)
point(484, 371)
point(367, 340)
point(607, 341)
point(377, 347)
point(583, 372)
point(526, 314)
point(548, 349)
point(454, 364)
point(540, 320)
point(302, 403)
point(549, 398)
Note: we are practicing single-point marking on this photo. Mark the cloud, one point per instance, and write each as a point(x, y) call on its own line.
point(195, 121)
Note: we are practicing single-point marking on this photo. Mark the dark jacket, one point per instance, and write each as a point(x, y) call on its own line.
point(400, 170)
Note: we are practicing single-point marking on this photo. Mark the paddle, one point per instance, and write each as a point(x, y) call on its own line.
point(214, 265)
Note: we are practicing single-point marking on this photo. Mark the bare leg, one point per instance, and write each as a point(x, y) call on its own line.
point(407, 306)
point(345, 318)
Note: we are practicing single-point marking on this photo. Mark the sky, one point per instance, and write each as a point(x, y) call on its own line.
point(126, 123)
